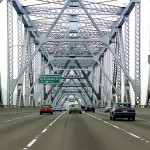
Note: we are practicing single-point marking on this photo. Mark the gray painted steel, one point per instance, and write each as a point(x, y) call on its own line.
point(80, 40)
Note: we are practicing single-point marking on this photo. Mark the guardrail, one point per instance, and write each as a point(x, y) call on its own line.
point(15, 106)
point(136, 106)
point(9, 110)
point(141, 106)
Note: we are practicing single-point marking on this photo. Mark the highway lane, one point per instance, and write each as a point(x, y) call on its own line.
point(139, 128)
point(88, 131)
point(15, 133)
point(74, 132)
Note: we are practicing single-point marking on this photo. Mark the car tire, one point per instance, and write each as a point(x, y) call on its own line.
point(80, 113)
point(133, 118)
point(40, 113)
point(113, 118)
point(93, 111)
point(69, 112)
point(110, 118)
point(51, 113)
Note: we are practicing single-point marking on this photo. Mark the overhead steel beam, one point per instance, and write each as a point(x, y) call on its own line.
point(83, 86)
point(57, 18)
point(46, 39)
point(60, 86)
point(84, 74)
point(53, 84)
point(121, 19)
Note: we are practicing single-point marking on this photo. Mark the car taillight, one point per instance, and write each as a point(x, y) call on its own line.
point(118, 110)
point(131, 110)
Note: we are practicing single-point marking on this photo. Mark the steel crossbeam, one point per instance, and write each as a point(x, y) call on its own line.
point(74, 39)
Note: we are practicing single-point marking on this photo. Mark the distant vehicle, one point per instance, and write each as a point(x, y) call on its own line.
point(57, 108)
point(108, 108)
point(83, 107)
point(46, 109)
point(89, 108)
point(75, 108)
point(63, 109)
point(122, 110)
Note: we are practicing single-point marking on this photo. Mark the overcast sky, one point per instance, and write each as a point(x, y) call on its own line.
point(145, 21)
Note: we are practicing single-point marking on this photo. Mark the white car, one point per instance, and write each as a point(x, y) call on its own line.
point(75, 108)
point(108, 108)
point(57, 108)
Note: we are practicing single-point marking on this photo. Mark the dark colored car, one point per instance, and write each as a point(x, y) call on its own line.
point(122, 110)
point(89, 108)
point(46, 109)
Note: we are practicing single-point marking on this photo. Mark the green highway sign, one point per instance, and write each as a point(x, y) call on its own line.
point(49, 79)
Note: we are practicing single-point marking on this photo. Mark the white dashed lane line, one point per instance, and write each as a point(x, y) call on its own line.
point(132, 134)
point(39, 135)
point(143, 119)
point(31, 143)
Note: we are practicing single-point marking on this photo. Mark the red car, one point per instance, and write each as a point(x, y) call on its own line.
point(46, 109)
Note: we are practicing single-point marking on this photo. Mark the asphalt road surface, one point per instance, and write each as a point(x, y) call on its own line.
point(86, 131)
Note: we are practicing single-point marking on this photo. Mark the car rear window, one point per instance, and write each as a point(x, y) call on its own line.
point(46, 106)
point(74, 105)
point(123, 105)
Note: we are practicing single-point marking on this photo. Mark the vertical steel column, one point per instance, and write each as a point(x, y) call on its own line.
point(108, 73)
point(114, 66)
point(1, 95)
point(148, 90)
point(19, 100)
point(137, 54)
point(103, 81)
point(37, 72)
point(96, 72)
point(127, 96)
point(100, 80)
point(27, 70)
point(43, 86)
point(97, 77)
point(9, 53)
point(31, 71)
point(118, 67)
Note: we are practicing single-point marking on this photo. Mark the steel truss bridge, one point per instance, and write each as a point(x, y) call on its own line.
point(86, 42)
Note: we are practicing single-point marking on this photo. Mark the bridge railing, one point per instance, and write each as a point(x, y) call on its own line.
point(141, 106)
point(14, 109)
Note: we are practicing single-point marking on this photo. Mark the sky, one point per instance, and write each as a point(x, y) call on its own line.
point(145, 32)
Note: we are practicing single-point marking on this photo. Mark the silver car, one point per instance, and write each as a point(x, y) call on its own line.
point(108, 108)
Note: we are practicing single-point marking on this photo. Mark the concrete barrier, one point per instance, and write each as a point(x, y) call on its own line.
point(143, 110)
point(5, 111)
